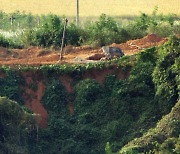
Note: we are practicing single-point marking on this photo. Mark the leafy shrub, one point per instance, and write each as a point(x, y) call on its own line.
point(103, 32)
point(87, 92)
point(9, 43)
point(168, 145)
point(4, 42)
point(10, 86)
point(55, 97)
point(148, 55)
point(138, 27)
point(16, 126)
point(161, 29)
point(154, 23)
point(110, 80)
point(156, 140)
point(164, 77)
point(49, 34)
point(108, 148)
point(74, 35)
point(59, 126)
point(29, 38)
point(176, 69)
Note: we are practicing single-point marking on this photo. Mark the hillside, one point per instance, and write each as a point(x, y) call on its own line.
point(164, 138)
point(94, 107)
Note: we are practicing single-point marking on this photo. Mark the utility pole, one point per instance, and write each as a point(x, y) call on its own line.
point(77, 13)
point(62, 44)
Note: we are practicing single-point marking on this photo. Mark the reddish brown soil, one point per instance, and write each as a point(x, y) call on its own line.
point(33, 97)
point(39, 56)
point(66, 81)
point(84, 54)
point(99, 76)
point(134, 46)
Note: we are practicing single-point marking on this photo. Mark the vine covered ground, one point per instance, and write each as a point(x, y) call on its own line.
point(94, 107)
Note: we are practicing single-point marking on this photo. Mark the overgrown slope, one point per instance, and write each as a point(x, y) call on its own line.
point(164, 138)
point(16, 125)
point(111, 103)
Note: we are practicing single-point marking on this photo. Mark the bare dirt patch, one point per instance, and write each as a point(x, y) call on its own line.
point(134, 46)
point(83, 54)
point(33, 96)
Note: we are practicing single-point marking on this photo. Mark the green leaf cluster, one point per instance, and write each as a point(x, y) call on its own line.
point(9, 43)
point(166, 74)
point(16, 125)
point(10, 85)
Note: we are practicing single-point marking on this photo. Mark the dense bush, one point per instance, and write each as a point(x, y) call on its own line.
point(10, 86)
point(4, 42)
point(16, 126)
point(157, 139)
point(103, 32)
point(49, 34)
point(9, 43)
point(54, 93)
point(165, 77)
point(47, 30)
point(74, 35)
point(87, 91)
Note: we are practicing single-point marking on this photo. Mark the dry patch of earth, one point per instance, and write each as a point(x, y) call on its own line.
point(82, 54)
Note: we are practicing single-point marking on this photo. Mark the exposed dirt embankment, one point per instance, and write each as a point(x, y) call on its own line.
point(35, 86)
point(83, 54)
point(33, 91)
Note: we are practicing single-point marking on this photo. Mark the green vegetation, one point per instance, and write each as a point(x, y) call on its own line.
point(165, 76)
point(164, 138)
point(107, 116)
point(10, 85)
point(47, 30)
point(16, 127)
point(9, 43)
point(102, 32)
point(55, 93)
point(20, 20)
